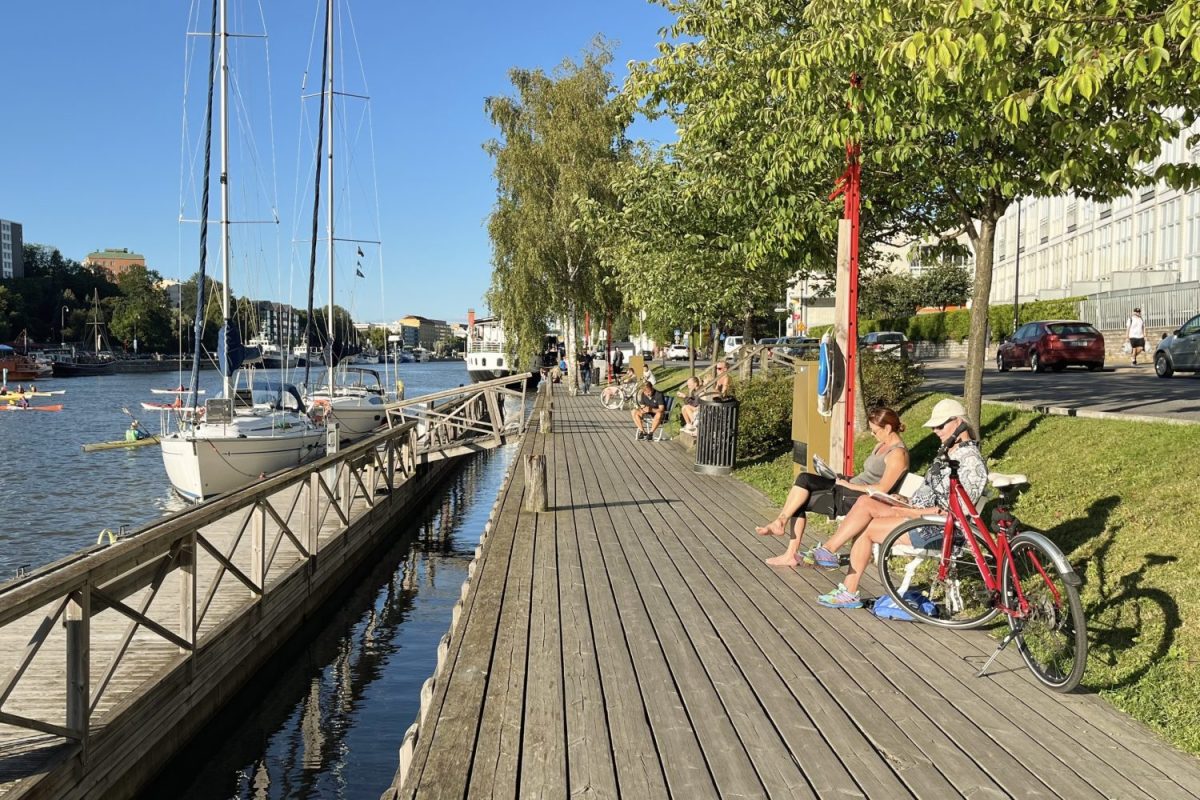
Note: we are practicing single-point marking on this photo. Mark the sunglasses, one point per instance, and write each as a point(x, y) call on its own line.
point(944, 424)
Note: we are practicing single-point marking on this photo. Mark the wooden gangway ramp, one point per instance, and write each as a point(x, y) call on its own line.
point(630, 642)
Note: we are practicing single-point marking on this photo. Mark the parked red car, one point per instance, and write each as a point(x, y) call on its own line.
point(1052, 344)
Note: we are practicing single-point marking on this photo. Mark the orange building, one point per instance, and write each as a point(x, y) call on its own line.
point(114, 261)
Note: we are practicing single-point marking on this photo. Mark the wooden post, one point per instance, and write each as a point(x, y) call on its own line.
point(187, 590)
point(546, 420)
point(535, 483)
point(78, 622)
point(314, 517)
point(258, 548)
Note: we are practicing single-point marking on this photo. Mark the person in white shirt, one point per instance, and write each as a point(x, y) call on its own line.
point(1137, 334)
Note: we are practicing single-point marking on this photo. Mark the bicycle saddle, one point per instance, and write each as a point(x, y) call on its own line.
point(1002, 481)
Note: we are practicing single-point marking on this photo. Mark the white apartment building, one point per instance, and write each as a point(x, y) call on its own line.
point(1070, 246)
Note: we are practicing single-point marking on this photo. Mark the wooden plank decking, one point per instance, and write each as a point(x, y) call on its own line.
point(631, 642)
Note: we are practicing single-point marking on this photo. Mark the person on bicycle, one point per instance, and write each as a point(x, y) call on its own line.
point(883, 471)
point(874, 519)
point(650, 404)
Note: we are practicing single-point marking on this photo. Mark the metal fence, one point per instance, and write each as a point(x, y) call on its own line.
point(1166, 306)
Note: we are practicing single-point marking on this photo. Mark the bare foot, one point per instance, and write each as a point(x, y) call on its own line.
point(772, 528)
point(784, 560)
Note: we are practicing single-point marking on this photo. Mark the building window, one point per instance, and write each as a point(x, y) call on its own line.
point(1145, 239)
point(1044, 227)
point(1123, 244)
point(1169, 243)
point(1104, 249)
point(1106, 211)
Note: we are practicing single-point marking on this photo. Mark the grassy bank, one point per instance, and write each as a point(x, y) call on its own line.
point(1119, 498)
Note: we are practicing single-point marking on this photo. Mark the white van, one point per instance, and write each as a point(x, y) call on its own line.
point(732, 345)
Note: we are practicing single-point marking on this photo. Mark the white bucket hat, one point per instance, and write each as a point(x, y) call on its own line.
point(945, 409)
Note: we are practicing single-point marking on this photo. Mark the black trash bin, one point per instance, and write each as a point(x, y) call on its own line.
point(716, 439)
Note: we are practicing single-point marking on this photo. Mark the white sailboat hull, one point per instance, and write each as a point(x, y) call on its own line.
point(203, 463)
point(356, 416)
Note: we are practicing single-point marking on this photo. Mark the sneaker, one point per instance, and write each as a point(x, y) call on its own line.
point(640, 435)
point(841, 597)
point(820, 557)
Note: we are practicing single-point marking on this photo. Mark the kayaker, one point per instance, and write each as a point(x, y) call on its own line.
point(134, 433)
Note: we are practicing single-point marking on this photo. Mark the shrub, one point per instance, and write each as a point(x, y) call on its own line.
point(889, 381)
point(765, 416)
point(955, 326)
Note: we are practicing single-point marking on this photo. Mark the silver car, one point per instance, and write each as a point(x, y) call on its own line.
point(1179, 351)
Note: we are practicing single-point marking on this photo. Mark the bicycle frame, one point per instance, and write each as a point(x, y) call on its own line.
point(962, 514)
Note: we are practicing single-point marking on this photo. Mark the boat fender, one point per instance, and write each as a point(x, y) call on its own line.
point(112, 537)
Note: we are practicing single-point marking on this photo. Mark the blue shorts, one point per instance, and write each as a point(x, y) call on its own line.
point(927, 537)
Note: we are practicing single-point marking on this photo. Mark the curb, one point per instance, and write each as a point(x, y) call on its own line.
point(1084, 413)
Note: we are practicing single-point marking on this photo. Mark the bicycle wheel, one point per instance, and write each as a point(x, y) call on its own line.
point(611, 398)
point(910, 576)
point(1051, 634)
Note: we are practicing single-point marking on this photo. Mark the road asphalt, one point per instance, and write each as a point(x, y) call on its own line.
point(1121, 389)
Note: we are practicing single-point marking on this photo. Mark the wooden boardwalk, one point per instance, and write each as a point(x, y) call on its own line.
point(631, 642)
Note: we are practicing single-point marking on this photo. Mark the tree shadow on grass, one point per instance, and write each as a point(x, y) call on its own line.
point(1131, 626)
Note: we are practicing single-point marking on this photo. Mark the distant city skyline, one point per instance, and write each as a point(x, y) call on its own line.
point(92, 159)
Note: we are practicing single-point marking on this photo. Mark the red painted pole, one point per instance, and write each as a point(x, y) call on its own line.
point(849, 186)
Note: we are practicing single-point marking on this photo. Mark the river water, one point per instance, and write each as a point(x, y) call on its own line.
point(326, 717)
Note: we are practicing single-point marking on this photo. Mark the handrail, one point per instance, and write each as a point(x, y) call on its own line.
point(310, 506)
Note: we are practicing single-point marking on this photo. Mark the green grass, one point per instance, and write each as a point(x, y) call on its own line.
point(1120, 499)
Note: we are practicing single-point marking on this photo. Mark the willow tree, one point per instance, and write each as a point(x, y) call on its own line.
point(561, 139)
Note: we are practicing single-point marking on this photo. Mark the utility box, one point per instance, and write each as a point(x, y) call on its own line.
point(810, 430)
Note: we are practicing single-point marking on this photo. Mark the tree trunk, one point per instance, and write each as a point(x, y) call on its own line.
point(572, 350)
point(977, 343)
point(748, 327)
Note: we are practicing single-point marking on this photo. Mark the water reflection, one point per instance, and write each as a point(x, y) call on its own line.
point(326, 717)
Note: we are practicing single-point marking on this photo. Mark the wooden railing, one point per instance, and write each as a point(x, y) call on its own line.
point(137, 607)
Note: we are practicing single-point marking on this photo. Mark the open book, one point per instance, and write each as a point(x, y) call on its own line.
point(891, 500)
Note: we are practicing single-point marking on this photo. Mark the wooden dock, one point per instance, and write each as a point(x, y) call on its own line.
point(630, 642)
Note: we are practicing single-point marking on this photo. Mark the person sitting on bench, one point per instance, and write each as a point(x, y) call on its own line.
point(883, 471)
point(690, 395)
point(871, 520)
point(650, 405)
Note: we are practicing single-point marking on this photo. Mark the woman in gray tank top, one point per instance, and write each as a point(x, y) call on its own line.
point(883, 471)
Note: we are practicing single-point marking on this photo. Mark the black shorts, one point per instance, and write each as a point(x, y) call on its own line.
point(825, 497)
point(1137, 343)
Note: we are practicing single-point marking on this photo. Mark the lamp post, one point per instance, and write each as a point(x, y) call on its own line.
point(135, 322)
point(62, 325)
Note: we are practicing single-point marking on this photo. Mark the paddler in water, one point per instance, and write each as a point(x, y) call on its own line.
point(134, 433)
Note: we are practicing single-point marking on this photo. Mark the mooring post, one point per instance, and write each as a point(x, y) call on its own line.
point(535, 483)
point(546, 420)
point(78, 621)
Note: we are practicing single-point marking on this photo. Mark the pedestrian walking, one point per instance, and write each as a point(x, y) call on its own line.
point(585, 370)
point(1137, 335)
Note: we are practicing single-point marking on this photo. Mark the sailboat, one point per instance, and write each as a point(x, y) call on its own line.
point(255, 427)
point(100, 362)
point(352, 397)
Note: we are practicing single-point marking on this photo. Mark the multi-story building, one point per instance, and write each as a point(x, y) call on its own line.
point(276, 322)
point(114, 260)
point(12, 250)
point(428, 332)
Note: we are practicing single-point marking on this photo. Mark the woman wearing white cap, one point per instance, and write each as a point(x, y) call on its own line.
point(875, 519)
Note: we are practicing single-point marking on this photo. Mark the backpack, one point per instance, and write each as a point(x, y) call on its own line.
point(886, 608)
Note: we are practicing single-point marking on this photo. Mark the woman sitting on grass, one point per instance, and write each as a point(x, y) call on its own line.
point(875, 519)
point(883, 471)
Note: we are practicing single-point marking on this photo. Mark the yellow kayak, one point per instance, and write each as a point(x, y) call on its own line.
point(91, 448)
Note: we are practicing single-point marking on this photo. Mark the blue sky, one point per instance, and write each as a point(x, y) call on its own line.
point(92, 147)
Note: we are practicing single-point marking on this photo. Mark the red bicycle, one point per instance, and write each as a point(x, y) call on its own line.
point(971, 574)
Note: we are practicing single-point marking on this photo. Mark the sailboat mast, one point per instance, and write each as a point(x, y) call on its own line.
point(226, 388)
point(329, 185)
